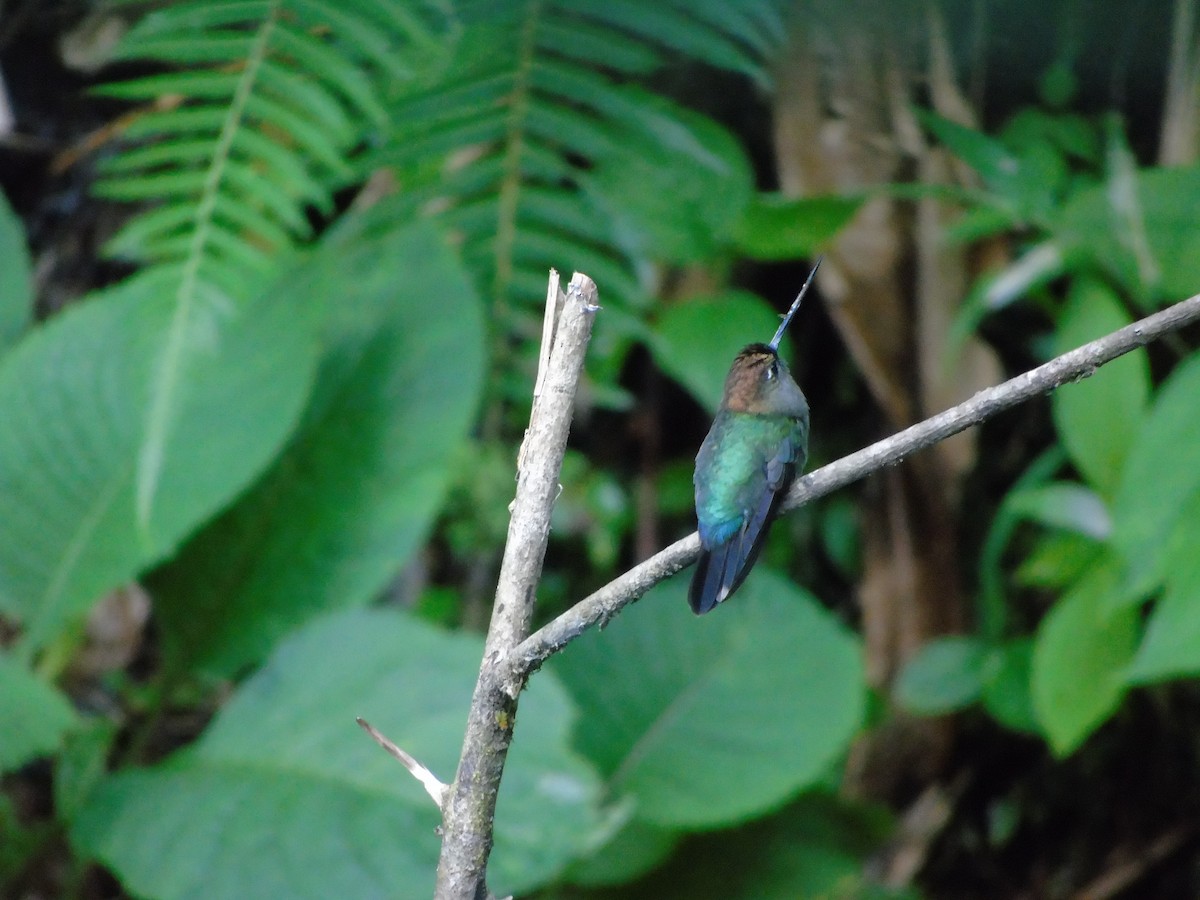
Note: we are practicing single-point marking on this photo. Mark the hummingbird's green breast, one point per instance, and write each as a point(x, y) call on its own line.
point(744, 459)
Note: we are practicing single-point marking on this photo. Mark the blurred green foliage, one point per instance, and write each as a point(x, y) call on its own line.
point(298, 396)
point(1112, 509)
point(290, 397)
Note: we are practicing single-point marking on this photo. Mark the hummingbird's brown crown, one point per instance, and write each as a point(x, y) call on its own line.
point(754, 369)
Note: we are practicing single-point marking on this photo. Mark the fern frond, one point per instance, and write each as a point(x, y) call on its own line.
point(316, 97)
point(731, 35)
point(510, 147)
point(255, 122)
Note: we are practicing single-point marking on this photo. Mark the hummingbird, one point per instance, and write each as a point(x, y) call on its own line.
point(756, 445)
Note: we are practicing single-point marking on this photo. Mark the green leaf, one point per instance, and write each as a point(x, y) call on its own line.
point(1043, 182)
point(1066, 505)
point(993, 568)
point(21, 841)
point(984, 220)
point(1159, 478)
point(634, 850)
point(284, 796)
point(645, 179)
point(1098, 418)
point(1142, 235)
point(1006, 685)
point(702, 183)
point(999, 167)
point(1039, 266)
point(35, 717)
point(1024, 170)
point(708, 721)
point(1128, 217)
point(1171, 645)
point(174, 356)
point(1059, 84)
point(16, 278)
point(356, 490)
point(840, 533)
point(73, 397)
point(587, 42)
point(695, 341)
point(81, 766)
point(781, 228)
point(701, 30)
point(190, 16)
point(945, 676)
point(816, 849)
point(273, 100)
point(1057, 560)
point(1079, 659)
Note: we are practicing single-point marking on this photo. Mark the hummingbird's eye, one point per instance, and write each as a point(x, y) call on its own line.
point(771, 372)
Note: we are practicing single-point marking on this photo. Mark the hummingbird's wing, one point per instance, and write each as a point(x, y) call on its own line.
point(722, 567)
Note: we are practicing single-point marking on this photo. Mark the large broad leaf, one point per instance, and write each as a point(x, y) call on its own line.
point(284, 796)
point(1160, 477)
point(707, 721)
point(1079, 659)
point(1171, 646)
point(357, 488)
point(695, 342)
point(1098, 418)
point(34, 716)
point(73, 397)
point(16, 283)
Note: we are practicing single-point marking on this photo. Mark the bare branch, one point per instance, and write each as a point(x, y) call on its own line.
point(471, 802)
point(1073, 366)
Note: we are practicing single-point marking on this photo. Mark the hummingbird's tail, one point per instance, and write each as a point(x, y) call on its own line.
point(723, 567)
point(721, 571)
point(708, 588)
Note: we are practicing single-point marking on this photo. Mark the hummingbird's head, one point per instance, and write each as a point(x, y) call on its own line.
point(760, 383)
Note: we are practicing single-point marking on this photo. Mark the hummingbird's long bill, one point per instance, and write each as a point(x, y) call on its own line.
point(774, 345)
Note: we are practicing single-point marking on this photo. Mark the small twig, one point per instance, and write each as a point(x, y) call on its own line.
point(919, 828)
point(1136, 863)
point(554, 302)
point(433, 787)
point(471, 801)
point(110, 131)
point(8, 121)
point(554, 299)
point(1073, 366)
